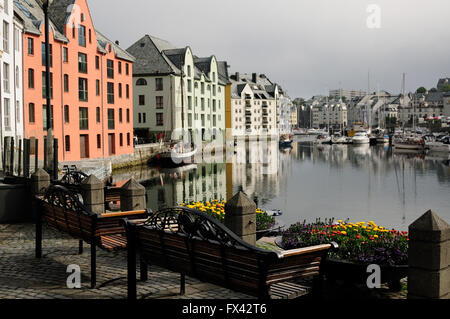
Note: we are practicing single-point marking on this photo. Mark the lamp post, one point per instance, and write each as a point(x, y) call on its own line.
point(49, 145)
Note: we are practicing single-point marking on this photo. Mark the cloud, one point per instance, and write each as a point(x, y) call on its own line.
point(307, 46)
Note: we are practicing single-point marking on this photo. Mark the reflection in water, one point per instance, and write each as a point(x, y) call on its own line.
point(306, 182)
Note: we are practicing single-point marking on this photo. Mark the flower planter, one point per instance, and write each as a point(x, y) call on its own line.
point(351, 272)
point(356, 273)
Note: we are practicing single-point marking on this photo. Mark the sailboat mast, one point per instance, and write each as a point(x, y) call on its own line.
point(182, 95)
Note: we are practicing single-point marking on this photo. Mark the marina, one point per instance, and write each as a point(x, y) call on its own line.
point(390, 186)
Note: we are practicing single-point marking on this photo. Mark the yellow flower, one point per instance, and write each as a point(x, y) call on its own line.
point(344, 233)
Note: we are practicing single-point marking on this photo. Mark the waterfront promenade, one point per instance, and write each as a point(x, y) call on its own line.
point(22, 276)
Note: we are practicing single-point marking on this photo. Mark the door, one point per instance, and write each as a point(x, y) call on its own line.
point(111, 144)
point(84, 146)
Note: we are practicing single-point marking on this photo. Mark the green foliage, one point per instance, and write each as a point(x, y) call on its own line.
point(446, 88)
point(421, 90)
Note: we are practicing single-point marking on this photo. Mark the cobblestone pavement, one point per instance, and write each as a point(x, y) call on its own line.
point(24, 276)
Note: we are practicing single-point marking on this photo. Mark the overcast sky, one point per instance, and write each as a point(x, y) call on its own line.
point(307, 46)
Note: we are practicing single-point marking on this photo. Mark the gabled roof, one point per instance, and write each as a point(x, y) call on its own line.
point(222, 70)
point(149, 59)
point(59, 13)
point(102, 43)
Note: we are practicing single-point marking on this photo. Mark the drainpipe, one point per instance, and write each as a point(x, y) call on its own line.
point(63, 142)
point(102, 106)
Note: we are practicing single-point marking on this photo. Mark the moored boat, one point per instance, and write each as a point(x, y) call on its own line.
point(361, 138)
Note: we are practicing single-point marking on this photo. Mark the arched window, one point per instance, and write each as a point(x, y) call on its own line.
point(141, 82)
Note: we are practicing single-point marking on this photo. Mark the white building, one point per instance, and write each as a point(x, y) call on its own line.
point(163, 103)
point(254, 101)
point(331, 113)
point(11, 110)
point(347, 94)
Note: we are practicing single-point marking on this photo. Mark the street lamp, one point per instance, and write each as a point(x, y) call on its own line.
point(45, 6)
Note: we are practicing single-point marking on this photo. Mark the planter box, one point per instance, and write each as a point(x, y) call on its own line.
point(357, 273)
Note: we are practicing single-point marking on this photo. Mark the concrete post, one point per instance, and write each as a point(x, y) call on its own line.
point(48, 151)
point(429, 258)
point(93, 192)
point(132, 196)
point(40, 181)
point(240, 217)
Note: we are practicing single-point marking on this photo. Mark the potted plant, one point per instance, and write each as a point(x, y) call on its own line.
point(265, 223)
point(360, 244)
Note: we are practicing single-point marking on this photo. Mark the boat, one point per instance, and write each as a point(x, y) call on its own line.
point(337, 138)
point(314, 131)
point(286, 141)
point(299, 131)
point(361, 138)
point(438, 145)
point(176, 154)
point(323, 139)
point(274, 212)
point(409, 142)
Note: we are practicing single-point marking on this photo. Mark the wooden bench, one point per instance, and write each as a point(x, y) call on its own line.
point(61, 209)
point(194, 244)
point(73, 179)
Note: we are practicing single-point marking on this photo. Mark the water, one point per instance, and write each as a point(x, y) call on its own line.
point(360, 183)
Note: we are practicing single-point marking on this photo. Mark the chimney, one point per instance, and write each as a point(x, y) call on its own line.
point(237, 76)
point(117, 42)
point(254, 77)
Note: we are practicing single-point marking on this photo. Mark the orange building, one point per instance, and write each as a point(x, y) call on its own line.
point(91, 83)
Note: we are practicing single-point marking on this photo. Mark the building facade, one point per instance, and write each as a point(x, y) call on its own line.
point(347, 94)
point(329, 113)
point(254, 101)
point(11, 94)
point(164, 105)
point(91, 83)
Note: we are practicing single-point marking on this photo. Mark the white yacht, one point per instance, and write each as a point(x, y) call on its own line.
point(361, 138)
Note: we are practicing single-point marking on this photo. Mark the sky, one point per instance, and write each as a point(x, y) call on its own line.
point(306, 46)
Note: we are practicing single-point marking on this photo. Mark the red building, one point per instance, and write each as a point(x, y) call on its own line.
point(91, 83)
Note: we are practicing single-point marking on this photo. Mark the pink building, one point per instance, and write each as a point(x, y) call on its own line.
point(91, 83)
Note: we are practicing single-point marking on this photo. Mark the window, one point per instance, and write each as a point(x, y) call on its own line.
point(44, 116)
point(121, 139)
point(111, 119)
point(67, 143)
point(189, 85)
point(189, 70)
point(110, 69)
point(90, 36)
point(44, 85)
point(99, 141)
point(97, 87)
point(141, 82)
point(202, 85)
point(120, 115)
point(128, 115)
point(120, 90)
point(139, 118)
point(5, 36)
point(110, 93)
point(7, 115)
point(144, 117)
point(202, 103)
point(159, 102)
point(128, 91)
point(31, 117)
point(66, 83)
point(120, 67)
point(97, 62)
point(50, 50)
point(84, 120)
point(82, 35)
point(66, 114)
point(127, 69)
point(128, 139)
point(82, 63)
point(159, 119)
point(189, 102)
point(159, 84)
point(141, 99)
point(30, 42)
point(65, 55)
point(83, 89)
point(97, 114)
point(6, 77)
point(30, 78)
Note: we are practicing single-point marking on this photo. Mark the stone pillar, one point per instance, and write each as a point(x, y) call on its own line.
point(48, 150)
point(132, 196)
point(429, 258)
point(240, 217)
point(93, 192)
point(40, 181)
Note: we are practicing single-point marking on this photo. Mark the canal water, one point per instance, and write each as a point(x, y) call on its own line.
point(359, 183)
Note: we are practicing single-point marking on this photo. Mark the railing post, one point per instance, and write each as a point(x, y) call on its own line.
point(19, 158)
point(132, 196)
point(26, 158)
point(93, 190)
point(240, 217)
point(36, 154)
point(429, 258)
point(11, 164)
